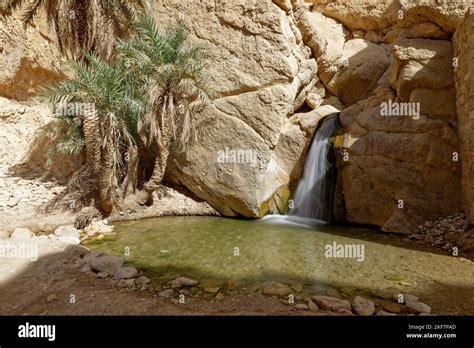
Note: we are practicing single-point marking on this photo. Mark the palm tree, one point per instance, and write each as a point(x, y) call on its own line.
point(82, 25)
point(172, 77)
point(107, 118)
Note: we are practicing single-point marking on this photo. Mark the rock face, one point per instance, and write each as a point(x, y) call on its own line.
point(29, 59)
point(422, 64)
point(382, 14)
point(464, 51)
point(326, 38)
point(274, 61)
point(365, 64)
point(397, 168)
point(239, 163)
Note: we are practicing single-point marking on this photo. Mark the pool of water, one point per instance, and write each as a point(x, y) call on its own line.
point(248, 253)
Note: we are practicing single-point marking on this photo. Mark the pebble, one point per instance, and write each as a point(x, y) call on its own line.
point(333, 304)
point(362, 306)
point(182, 282)
point(403, 298)
point(67, 231)
point(51, 298)
point(301, 306)
point(418, 307)
point(142, 280)
point(109, 264)
point(102, 275)
point(166, 293)
point(276, 289)
point(21, 234)
point(312, 306)
point(392, 307)
point(13, 201)
point(126, 273)
point(126, 283)
point(86, 269)
point(213, 290)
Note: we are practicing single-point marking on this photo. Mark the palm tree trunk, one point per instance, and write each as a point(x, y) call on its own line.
point(106, 183)
point(130, 181)
point(144, 196)
point(90, 122)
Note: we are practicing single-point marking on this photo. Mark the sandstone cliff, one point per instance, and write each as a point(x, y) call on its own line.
point(275, 61)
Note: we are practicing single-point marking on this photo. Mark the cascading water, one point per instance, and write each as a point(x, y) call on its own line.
point(313, 196)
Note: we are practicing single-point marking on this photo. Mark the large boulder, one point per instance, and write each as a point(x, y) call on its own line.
point(259, 68)
point(366, 63)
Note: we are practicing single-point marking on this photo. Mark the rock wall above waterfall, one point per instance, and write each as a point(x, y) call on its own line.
point(464, 74)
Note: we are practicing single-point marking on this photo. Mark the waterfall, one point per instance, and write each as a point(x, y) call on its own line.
point(313, 196)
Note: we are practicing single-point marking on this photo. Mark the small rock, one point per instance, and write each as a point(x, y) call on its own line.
point(142, 280)
point(418, 307)
point(102, 275)
point(276, 289)
point(13, 201)
point(381, 313)
point(220, 296)
point(86, 268)
point(67, 231)
point(126, 273)
point(126, 283)
point(68, 240)
point(185, 292)
point(313, 100)
point(392, 307)
point(213, 290)
point(109, 264)
point(182, 282)
point(21, 234)
point(362, 306)
point(166, 293)
point(312, 306)
point(51, 298)
point(382, 293)
point(92, 255)
point(302, 306)
point(333, 304)
point(403, 298)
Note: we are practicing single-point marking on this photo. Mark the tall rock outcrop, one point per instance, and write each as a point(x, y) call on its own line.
point(260, 66)
point(29, 59)
point(464, 75)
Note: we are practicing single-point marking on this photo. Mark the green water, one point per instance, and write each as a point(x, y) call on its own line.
point(205, 248)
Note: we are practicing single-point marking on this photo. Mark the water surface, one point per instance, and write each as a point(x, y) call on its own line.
point(246, 252)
